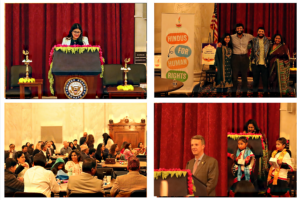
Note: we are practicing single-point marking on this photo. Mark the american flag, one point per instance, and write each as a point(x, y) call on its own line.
point(214, 24)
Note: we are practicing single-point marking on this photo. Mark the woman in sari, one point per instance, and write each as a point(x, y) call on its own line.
point(278, 67)
point(223, 64)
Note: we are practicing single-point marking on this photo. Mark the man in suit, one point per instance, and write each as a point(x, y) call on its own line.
point(126, 184)
point(85, 182)
point(11, 153)
point(203, 167)
point(83, 139)
point(49, 151)
point(84, 152)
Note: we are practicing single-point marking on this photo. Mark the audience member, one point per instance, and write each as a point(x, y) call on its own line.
point(92, 152)
point(141, 149)
point(100, 155)
point(12, 184)
point(113, 152)
point(126, 184)
point(26, 154)
point(11, 153)
point(38, 148)
point(83, 139)
point(49, 151)
point(127, 151)
point(74, 164)
point(71, 145)
point(53, 146)
point(86, 182)
point(90, 141)
point(27, 144)
point(30, 149)
point(107, 140)
point(76, 145)
point(123, 147)
point(38, 179)
point(66, 149)
point(58, 165)
point(21, 161)
point(84, 152)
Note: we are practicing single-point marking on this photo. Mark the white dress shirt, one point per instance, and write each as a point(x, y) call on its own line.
point(38, 179)
point(76, 168)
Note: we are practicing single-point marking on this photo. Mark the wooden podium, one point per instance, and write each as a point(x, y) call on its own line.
point(70, 66)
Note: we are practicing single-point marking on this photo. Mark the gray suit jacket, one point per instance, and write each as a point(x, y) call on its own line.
point(84, 183)
point(207, 172)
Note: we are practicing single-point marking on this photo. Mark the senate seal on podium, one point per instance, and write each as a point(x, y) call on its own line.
point(75, 88)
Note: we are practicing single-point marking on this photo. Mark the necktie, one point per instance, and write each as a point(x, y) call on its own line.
point(195, 166)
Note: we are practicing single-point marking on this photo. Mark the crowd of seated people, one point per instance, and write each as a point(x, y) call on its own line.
point(39, 169)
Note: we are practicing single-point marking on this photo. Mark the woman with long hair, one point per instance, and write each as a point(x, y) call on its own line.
point(278, 67)
point(90, 141)
point(223, 55)
point(113, 152)
point(75, 36)
point(74, 164)
point(107, 140)
point(100, 154)
point(37, 149)
point(71, 145)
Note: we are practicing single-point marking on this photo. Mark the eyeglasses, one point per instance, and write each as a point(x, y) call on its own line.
point(76, 32)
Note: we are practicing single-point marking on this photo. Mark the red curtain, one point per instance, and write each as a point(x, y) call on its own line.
point(38, 27)
point(176, 123)
point(274, 17)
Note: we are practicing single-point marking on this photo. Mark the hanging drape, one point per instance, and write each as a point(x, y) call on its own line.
point(38, 27)
point(176, 123)
point(274, 17)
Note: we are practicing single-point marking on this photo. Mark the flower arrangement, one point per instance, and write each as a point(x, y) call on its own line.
point(73, 49)
point(24, 80)
point(125, 87)
point(164, 173)
point(256, 136)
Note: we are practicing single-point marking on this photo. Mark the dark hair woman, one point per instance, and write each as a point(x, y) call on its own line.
point(100, 154)
point(113, 152)
point(90, 141)
point(123, 147)
point(278, 67)
point(223, 55)
point(74, 164)
point(75, 36)
point(71, 145)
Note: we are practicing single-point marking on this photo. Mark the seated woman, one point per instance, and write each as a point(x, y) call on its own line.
point(73, 164)
point(141, 150)
point(123, 147)
point(30, 149)
point(71, 145)
point(128, 152)
point(37, 149)
point(21, 161)
point(113, 152)
point(75, 36)
point(59, 170)
point(100, 153)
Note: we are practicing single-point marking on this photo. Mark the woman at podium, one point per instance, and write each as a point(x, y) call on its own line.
point(75, 36)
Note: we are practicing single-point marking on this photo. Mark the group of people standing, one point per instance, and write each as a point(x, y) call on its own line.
point(269, 59)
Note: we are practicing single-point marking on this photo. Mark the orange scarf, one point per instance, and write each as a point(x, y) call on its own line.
point(276, 173)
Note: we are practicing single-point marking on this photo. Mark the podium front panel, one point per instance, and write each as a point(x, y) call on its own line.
point(86, 63)
point(177, 187)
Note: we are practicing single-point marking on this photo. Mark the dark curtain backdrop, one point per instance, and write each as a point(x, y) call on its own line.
point(176, 123)
point(274, 17)
point(38, 27)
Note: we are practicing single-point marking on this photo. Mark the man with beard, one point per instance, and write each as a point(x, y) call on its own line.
point(240, 60)
point(259, 53)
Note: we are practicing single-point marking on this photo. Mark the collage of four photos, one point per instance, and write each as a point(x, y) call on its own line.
point(85, 101)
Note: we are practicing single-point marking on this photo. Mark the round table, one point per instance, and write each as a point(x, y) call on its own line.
point(164, 85)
